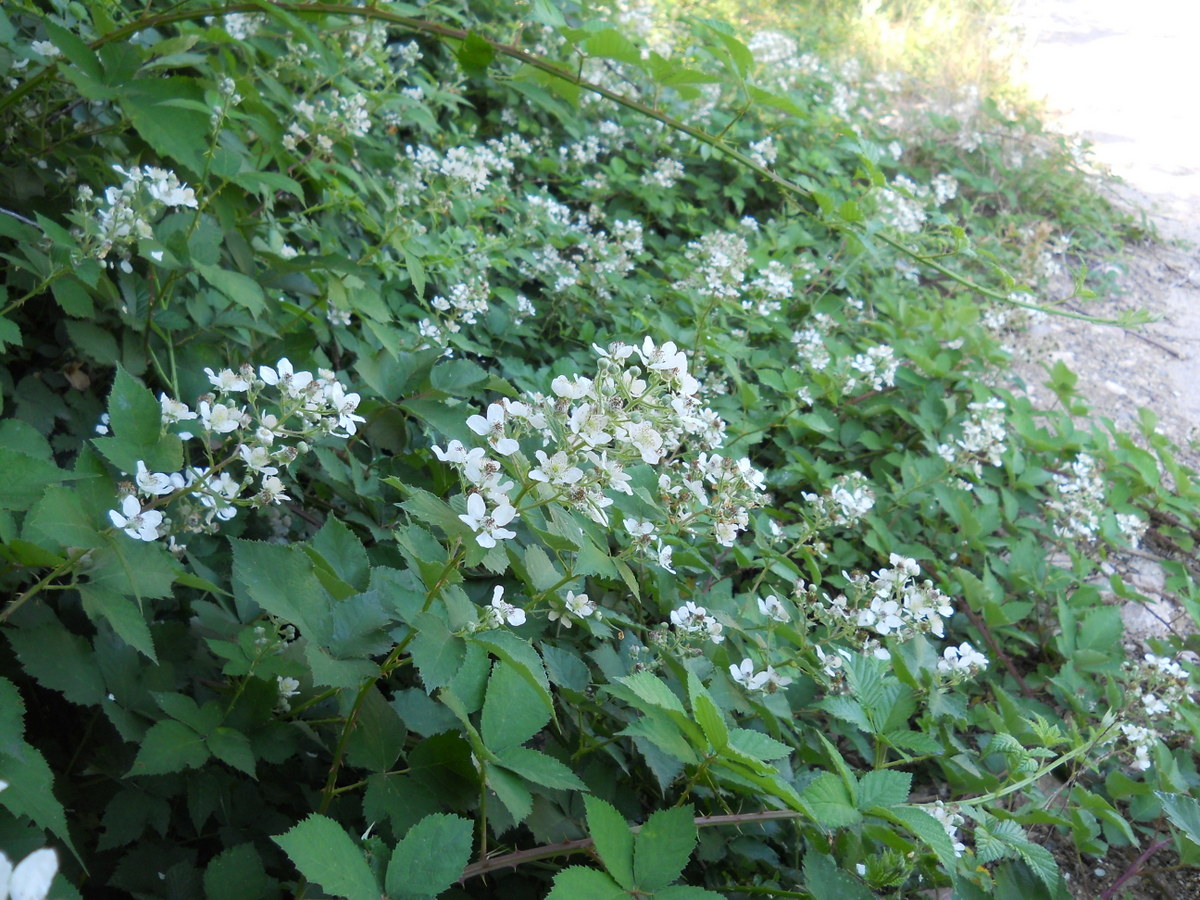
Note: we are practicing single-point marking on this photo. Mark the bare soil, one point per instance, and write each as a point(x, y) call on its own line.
point(1107, 67)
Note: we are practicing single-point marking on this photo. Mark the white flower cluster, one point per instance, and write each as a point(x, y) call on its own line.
point(239, 26)
point(847, 500)
point(126, 214)
point(891, 603)
point(1078, 500)
point(469, 166)
point(905, 205)
point(262, 433)
point(875, 368)
point(641, 406)
point(951, 821)
point(693, 619)
point(984, 437)
point(764, 152)
point(1160, 685)
point(963, 661)
point(322, 123)
point(499, 613)
point(666, 172)
point(716, 265)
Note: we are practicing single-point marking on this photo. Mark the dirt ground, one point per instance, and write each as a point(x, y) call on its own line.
point(1112, 71)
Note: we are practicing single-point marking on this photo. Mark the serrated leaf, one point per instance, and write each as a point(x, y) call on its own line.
point(823, 878)
point(280, 579)
point(539, 768)
point(927, 829)
point(175, 132)
point(436, 652)
point(757, 745)
point(512, 713)
point(663, 847)
point(1184, 813)
point(613, 839)
point(122, 614)
point(169, 747)
point(232, 748)
point(30, 791)
point(240, 289)
point(707, 714)
point(520, 654)
point(883, 787)
point(542, 573)
point(237, 871)
point(1041, 862)
point(378, 735)
point(578, 883)
point(25, 478)
point(475, 54)
point(652, 689)
point(430, 857)
point(829, 802)
point(512, 792)
point(326, 855)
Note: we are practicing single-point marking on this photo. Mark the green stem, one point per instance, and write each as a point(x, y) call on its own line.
point(57, 572)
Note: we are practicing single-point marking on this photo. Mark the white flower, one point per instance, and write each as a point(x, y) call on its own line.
point(645, 438)
point(272, 491)
point(455, 452)
point(227, 380)
point(30, 878)
point(506, 612)
point(343, 405)
point(490, 528)
point(492, 427)
point(291, 381)
point(219, 418)
point(689, 617)
point(772, 607)
point(666, 556)
point(638, 529)
point(257, 458)
point(173, 410)
point(288, 686)
point(744, 675)
point(575, 388)
point(138, 524)
point(156, 483)
point(556, 469)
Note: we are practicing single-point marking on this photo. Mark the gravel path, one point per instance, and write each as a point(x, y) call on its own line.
point(1124, 75)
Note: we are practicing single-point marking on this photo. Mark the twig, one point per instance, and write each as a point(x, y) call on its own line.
point(1111, 890)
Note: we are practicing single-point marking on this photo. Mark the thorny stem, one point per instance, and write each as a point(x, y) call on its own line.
point(1134, 867)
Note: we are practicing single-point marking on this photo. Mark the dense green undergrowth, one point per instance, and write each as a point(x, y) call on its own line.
point(474, 450)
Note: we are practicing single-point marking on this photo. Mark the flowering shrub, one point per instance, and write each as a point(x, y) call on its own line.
point(623, 463)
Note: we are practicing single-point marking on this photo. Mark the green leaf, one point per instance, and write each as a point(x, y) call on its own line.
point(653, 690)
point(343, 553)
point(239, 288)
point(542, 574)
point(280, 580)
point(61, 520)
point(686, 892)
point(169, 747)
point(30, 790)
point(152, 105)
point(475, 54)
point(829, 802)
point(708, 715)
point(232, 748)
point(927, 829)
point(663, 846)
point(1041, 862)
point(823, 879)
point(60, 661)
point(237, 871)
point(436, 652)
point(613, 839)
point(535, 766)
point(757, 745)
point(578, 883)
point(521, 655)
point(883, 787)
point(430, 858)
point(378, 735)
point(25, 478)
point(327, 856)
point(512, 713)
point(512, 792)
point(134, 415)
point(1183, 812)
point(122, 613)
